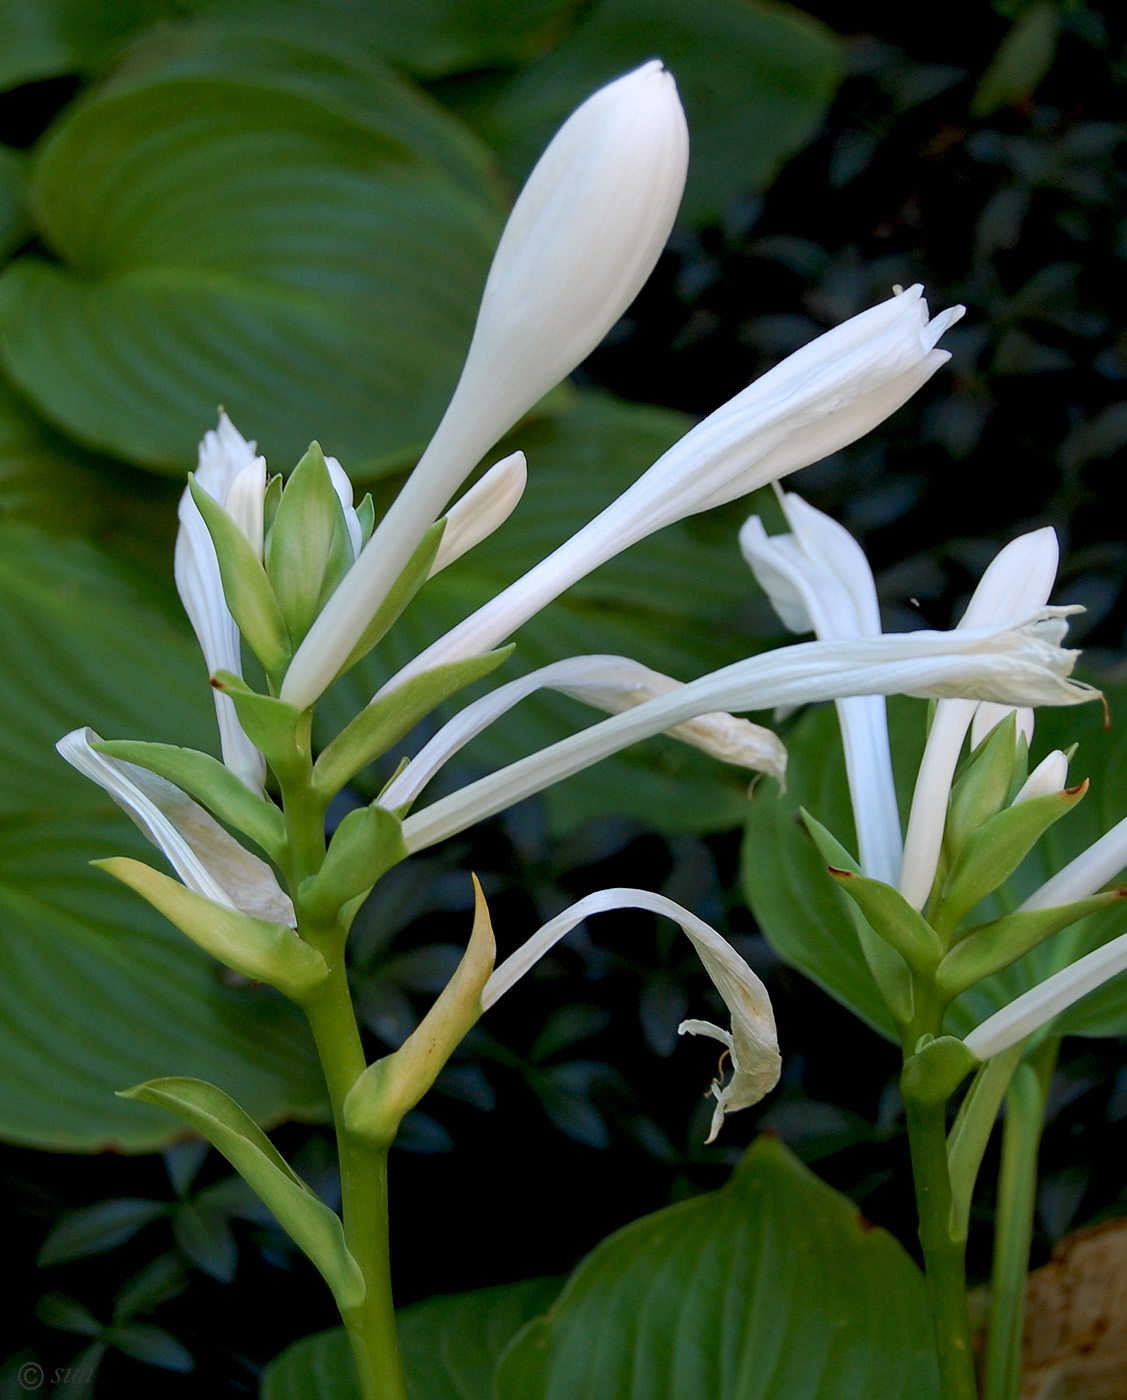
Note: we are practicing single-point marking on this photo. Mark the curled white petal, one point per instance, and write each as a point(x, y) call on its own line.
point(486, 505)
point(821, 398)
point(224, 453)
point(612, 683)
point(752, 1042)
point(1018, 665)
point(581, 240)
point(206, 857)
point(1032, 1009)
point(818, 580)
point(1018, 579)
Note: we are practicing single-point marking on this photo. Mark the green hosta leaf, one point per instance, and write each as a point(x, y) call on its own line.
point(772, 1288)
point(301, 1213)
point(13, 223)
point(96, 992)
point(756, 80)
point(279, 225)
point(98, 1228)
point(671, 602)
point(450, 1346)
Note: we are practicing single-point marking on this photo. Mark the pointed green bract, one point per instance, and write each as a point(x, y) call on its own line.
point(308, 551)
point(399, 595)
point(984, 787)
point(387, 720)
point(305, 1217)
point(246, 586)
point(263, 951)
point(889, 914)
point(889, 970)
point(993, 946)
point(991, 854)
point(203, 777)
point(367, 843)
point(974, 1122)
point(270, 724)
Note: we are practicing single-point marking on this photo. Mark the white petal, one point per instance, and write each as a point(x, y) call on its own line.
point(581, 240)
point(1018, 665)
point(612, 683)
point(816, 401)
point(342, 485)
point(752, 1041)
point(1050, 775)
point(1089, 872)
point(224, 453)
point(245, 500)
point(1018, 579)
point(486, 505)
point(206, 857)
point(1041, 1003)
point(988, 716)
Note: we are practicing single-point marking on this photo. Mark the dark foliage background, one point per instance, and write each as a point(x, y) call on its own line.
point(571, 1112)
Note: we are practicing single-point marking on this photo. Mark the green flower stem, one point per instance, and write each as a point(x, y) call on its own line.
point(944, 1256)
point(1013, 1229)
point(363, 1166)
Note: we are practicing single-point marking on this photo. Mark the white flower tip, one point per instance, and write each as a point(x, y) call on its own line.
point(1050, 775)
point(244, 501)
point(484, 508)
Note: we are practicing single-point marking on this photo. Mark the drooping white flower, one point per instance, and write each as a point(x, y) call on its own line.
point(1018, 580)
point(224, 456)
point(819, 399)
point(818, 580)
point(612, 683)
point(581, 240)
point(206, 857)
point(484, 508)
point(1022, 664)
point(752, 1041)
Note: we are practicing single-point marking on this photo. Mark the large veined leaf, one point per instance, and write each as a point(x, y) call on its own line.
point(96, 992)
point(672, 602)
point(450, 1346)
point(279, 225)
point(805, 919)
point(756, 80)
point(773, 1288)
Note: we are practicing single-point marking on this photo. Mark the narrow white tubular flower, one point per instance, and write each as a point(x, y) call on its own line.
point(206, 857)
point(245, 500)
point(1018, 579)
point(819, 399)
point(1017, 665)
point(818, 580)
point(1089, 872)
point(988, 716)
point(1050, 775)
point(1048, 999)
point(582, 238)
point(612, 683)
point(752, 1042)
point(223, 455)
point(486, 505)
point(342, 485)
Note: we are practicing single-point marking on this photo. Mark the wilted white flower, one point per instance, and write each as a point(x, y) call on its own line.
point(752, 1042)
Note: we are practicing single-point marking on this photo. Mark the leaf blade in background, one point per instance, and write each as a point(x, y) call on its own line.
point(301, 237)
point(773, 1288)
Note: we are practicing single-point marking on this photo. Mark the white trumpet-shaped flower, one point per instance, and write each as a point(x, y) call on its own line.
point(581, 240)
point(206, 857)
point(818, 580)
point(612, 683)
point(819, 399)
point(1021, 664)
point(225, 457)
point(752, 1042)
point(1018, 580)
point(484, 508)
